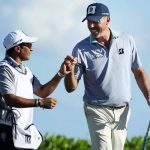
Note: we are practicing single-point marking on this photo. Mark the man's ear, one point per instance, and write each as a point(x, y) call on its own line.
point(17, 49)
point(108, 20)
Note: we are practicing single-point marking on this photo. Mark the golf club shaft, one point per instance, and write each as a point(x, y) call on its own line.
point(145, 138)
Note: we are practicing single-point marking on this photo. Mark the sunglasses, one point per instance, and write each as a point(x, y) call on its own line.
point(29, 45)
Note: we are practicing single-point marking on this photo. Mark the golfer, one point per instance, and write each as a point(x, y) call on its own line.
point(105, 59)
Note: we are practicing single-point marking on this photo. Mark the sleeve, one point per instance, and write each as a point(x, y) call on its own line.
point(36, 83)
point(79, 68)
point(136, 62)
point(6, 81)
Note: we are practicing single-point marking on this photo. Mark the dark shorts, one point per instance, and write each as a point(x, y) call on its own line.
point(6, 141)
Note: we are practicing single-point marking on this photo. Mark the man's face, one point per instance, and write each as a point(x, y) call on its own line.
point(97, 28)
point(25, 52)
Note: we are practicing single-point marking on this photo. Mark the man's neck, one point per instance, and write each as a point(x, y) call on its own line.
point(16, 58)
point(105, 39)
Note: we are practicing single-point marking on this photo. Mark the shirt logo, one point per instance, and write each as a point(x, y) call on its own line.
point(99, 53)
point(121, 51)
point(91, 10)
point(27, 138)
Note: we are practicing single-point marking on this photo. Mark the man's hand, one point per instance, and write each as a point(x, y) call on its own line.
point(70, 62)
point(48, 103)
point(68, 65)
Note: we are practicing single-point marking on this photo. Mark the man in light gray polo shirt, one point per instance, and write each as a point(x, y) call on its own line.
point(17, 86)
point(105, 59)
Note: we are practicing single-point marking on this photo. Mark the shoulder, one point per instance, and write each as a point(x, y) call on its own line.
point(5, 68)
point(121, 35)
point(6, 74)
point(83, 42)
point(82, 45)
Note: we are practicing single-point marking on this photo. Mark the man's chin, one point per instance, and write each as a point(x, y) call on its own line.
point(96, 36)
point(26, 59)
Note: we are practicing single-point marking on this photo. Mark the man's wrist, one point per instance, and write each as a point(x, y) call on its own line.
point(37, 103)
point(60, 74)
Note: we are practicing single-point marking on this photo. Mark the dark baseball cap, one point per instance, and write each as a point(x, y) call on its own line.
point(96, 11)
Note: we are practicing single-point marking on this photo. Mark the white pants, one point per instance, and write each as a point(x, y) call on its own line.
point(107, 126)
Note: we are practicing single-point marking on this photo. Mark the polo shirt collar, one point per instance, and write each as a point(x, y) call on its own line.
point(19, 67)
point(114, 35)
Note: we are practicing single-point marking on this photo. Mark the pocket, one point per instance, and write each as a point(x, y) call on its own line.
point(88, 109)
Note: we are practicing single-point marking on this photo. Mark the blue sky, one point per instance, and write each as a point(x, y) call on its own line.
point(58, 26)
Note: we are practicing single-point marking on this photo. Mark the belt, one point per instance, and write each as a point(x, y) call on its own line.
point(115, 107)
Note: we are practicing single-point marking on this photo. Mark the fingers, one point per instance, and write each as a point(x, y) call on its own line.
point(68, 65)
point(64, 69)
point(70, 62)
point(70, 59)
point(74, 60)
point(48, 103)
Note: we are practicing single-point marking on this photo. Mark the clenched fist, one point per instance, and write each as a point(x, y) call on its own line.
point(48, 103)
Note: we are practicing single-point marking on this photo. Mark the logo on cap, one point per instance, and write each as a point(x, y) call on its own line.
point(91, 10)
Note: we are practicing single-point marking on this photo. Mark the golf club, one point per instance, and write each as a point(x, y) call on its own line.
point(146, 137)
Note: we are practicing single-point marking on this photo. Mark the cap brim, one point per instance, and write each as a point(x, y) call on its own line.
point(92, 18)
point(84, 19)
point(30, 40)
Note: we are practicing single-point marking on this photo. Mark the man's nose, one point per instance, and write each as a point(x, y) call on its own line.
point(91, 24)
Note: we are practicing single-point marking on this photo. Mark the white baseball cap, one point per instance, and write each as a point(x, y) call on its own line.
point(17, 37)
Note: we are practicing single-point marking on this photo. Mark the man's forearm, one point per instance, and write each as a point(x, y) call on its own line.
point(49, 87)
point(70, 82)
point(143, 83)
